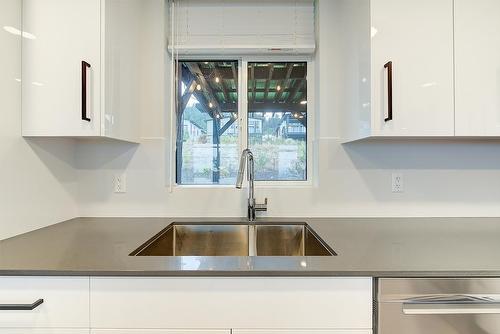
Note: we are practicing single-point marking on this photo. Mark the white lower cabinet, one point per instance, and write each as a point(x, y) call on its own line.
point(221, 331)
point(160, 331)
point(185, 305)
point(300, 331)
point(250, 303)
point(65, 303)
point(43, 331)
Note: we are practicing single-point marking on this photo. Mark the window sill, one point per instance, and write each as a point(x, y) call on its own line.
point(258, 184)
point(204, 186)
point(283, 184)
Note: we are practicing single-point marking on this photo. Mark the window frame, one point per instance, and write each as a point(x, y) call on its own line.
point(243, 115)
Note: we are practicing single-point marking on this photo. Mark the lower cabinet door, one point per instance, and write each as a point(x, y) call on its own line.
point(43, 331)
point(65, 302)
point(160, 331)
point(301, 331)
point(232, 302)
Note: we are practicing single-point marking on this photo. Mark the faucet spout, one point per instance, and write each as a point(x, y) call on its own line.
point(247, 159)
point(241, 170)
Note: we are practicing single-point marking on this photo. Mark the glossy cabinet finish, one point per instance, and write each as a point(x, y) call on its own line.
point(123, 50)
point(196, 305)
point(223, 302)
point(416, 39)
point(477, 67)
point(65, 302)
point(64, 33)
point(438, 305)
point(160, 331)
point(300, 331)
point(71, 39)
point(43, 331)
point(393, 55)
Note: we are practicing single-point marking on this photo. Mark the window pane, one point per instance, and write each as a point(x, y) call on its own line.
point(277, 120)
point(207, 129)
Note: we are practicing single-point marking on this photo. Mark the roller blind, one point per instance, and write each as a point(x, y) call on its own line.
point(242, 26)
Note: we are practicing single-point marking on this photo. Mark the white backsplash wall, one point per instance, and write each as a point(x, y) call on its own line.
point(37, 177)
point(441, 178)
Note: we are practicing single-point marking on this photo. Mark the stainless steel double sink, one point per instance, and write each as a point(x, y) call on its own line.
point(235, 239)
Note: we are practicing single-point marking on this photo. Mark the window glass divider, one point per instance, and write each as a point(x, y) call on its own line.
point(243, 108)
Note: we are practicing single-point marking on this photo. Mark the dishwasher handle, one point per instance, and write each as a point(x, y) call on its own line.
point(451, 304)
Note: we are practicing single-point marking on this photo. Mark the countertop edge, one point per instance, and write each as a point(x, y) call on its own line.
point(202, 273)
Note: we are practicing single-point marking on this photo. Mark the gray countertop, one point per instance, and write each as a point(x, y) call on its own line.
point(378, 247)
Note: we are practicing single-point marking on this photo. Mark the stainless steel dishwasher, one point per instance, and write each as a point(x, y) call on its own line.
point(438, 306)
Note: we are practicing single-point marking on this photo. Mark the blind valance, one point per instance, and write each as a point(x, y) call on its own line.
point(242, 26)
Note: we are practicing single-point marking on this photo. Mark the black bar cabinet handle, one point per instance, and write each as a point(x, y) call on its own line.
point(21, 307)
point(85, 65)
point(388, 66)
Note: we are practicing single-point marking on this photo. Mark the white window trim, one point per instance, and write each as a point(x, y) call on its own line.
point(243, 119)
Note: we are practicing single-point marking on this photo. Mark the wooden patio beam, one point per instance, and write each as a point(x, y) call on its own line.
point(284, 82)
point(206, 88)
point(268, 82)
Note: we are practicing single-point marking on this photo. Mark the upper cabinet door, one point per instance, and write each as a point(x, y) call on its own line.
point(477, 66)
point(413, 40)
point(58, 36)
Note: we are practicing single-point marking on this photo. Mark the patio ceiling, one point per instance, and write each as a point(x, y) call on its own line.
point(272, 87)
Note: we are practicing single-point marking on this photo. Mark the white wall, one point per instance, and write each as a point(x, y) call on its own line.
point(37, 177)
point(442, 178)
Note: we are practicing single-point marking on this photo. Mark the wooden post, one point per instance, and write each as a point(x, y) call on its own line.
point(216, 156)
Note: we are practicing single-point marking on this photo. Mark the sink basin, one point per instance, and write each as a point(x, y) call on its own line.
point(235, 239)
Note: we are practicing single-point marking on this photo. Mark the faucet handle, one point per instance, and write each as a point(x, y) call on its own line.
point(261, 206)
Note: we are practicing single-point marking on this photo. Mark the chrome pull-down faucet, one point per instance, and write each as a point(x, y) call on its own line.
point(253, 207)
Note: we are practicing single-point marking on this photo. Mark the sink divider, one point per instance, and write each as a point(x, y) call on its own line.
point(252, 240)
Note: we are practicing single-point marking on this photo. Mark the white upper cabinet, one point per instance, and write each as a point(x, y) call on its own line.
point(477, 67)
point(80, 64)
point(413, 40)
point(62, 34)
point(396, 76)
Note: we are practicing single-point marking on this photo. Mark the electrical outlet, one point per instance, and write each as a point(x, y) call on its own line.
point(120, 183)
point(397, 183)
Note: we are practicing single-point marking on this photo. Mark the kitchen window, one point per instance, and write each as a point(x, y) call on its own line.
point(277, 120)
point(214, 126)
point(207, 143)
point(237, 85)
